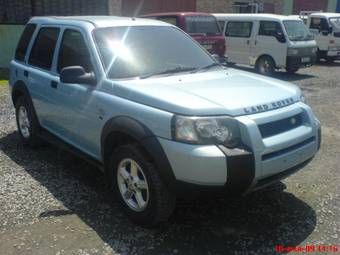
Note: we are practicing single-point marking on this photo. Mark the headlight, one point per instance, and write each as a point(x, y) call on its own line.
point(206, 130)
point(292, 52)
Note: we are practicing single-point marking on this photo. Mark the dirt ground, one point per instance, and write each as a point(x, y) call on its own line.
point(53, 203)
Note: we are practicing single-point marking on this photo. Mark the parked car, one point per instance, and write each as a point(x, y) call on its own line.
point(203, 27)
point(326, 29)
point(145, 103)
point(268, 41)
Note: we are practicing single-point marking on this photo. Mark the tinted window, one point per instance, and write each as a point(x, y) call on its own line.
point(73, 51)
point(202, 25)
point(269, 28)
point(142, 50)
point(24, 41)
point(43, 48)
point(239, 29)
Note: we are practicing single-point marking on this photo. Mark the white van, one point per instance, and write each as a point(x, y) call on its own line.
point(326, 29)
point(268, 41)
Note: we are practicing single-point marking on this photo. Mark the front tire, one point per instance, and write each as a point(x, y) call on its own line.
point(27, 124)
point(138, 187)
point(265, 66)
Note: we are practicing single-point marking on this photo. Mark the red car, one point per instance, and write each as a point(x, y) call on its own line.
point(203, 27)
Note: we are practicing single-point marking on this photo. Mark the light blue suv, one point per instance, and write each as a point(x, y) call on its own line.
point(151, 108)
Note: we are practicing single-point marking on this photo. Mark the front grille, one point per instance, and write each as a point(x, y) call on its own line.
point(280, 126)
point(289, 149)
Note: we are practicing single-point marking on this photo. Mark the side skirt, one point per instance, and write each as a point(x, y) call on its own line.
point(52, 139)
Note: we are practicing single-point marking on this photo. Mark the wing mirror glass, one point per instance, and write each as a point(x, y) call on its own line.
point(77, 74)
point(280, 37)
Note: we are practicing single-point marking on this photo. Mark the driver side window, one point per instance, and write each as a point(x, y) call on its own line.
point(270, 28)
point(74, 52)
point(320, 24)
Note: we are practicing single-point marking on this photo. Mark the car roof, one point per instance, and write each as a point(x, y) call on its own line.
point(325, 14)
point(253, 16)
point(97, 21)
point(176, 14)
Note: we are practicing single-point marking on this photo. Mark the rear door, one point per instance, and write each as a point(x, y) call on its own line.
point(266, 43)
point(38, 73)
point(238, 37)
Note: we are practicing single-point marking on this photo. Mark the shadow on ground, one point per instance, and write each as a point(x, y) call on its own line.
point(256, 223)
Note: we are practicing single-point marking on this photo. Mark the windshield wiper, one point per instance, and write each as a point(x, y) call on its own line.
point(177, 69)
point(206, 67)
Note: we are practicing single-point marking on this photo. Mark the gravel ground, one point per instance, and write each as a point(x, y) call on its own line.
point(53, 203)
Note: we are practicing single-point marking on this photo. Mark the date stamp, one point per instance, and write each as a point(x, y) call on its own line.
point(327, 249)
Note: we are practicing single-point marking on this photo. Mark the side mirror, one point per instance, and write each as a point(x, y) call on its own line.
point(77, 74)
point(280, 37)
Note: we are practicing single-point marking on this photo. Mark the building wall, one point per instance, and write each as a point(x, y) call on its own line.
point(276, 6)
point(8, 42)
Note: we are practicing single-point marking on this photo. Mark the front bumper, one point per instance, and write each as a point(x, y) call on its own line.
point(259, 162)
point(333, 53)
point(296, 62)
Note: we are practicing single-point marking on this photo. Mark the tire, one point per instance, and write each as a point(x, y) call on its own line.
point(292, 70)
point(265, 66)
point(156, 203)
point(28, 125)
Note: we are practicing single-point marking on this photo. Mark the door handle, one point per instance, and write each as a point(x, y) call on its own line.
point(26, 73)
point(248, 42)
point(54, 84)
point(255, 42)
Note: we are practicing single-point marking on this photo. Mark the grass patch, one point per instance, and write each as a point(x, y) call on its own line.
point(3, 82)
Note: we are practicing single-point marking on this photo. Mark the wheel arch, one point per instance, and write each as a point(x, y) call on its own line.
point(123, 130)
point(263, 56)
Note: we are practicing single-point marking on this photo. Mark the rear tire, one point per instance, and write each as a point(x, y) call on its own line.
point(265, 66)
point(27, 124)
point(138, 187)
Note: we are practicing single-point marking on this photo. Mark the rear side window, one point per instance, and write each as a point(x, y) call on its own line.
point(43, 48)
point(73, 51)
point(239, 29)
point(270, 28)
point(24, 41)
point(169, 19)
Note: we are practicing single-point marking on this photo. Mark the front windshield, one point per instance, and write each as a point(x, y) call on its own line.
point(297, 31)
point(202, 25)
point(139, 51)
point(335, 22)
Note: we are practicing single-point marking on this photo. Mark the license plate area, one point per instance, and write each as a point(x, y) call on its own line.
point(305, 60)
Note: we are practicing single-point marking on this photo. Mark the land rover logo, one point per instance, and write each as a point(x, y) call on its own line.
point(270, 106)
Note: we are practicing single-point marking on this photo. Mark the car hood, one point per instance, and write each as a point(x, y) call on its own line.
point(230, 92)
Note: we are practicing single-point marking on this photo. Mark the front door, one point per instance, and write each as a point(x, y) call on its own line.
point(238, 39)
point(267, 43)
point(78, 113)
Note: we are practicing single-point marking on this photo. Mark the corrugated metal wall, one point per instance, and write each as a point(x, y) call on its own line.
point(137, 7)
point(309, 5)
point(19, 11)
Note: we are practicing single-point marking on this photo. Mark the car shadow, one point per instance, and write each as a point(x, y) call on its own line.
point(281, 75)
point(255, 223)
point(328, 64)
